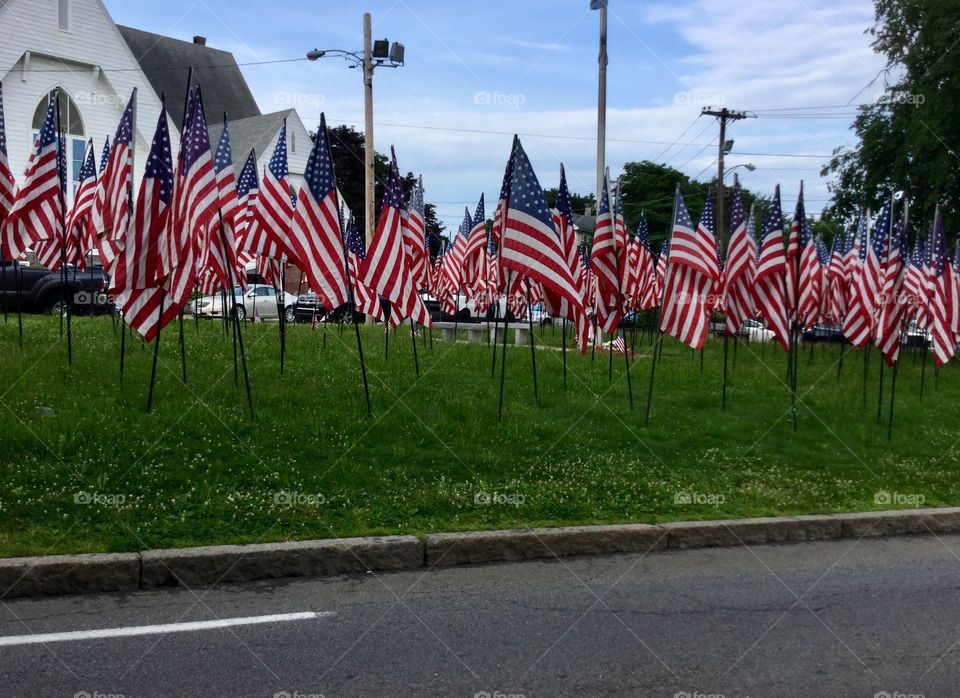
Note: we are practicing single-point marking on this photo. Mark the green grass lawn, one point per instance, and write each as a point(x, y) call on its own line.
point(313, 465)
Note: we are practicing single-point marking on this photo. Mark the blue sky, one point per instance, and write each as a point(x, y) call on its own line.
point(530, 66)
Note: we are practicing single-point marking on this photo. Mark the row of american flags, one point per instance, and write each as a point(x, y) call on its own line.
point(195, 226)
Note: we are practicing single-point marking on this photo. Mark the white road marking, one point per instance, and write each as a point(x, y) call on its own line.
point(131, 631)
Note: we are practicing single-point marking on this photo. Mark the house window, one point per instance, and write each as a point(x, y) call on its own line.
point(293, 142)
point(63, 14)
point(74, 142)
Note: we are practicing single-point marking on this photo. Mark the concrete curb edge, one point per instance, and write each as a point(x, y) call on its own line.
point(207, 566)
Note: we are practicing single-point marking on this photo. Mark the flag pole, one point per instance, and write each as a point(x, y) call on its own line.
point(237, 331)
point(658, 347)
point(533, 353)
point(496, 330)
point(61, 183)
point(183, 125)
point(564, 340)
point(413, 338)
point(503, 355)
point(156, 350)
point(353, 312)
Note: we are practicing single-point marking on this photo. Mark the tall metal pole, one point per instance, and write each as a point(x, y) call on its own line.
point(602, 102)
point(368, 147)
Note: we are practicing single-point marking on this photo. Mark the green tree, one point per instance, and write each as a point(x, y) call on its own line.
point(910, 138)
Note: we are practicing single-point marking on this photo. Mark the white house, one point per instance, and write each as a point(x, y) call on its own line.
point(75, 45)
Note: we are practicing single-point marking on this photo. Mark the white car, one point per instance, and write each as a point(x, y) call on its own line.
point(756, 331)
point(259, 301)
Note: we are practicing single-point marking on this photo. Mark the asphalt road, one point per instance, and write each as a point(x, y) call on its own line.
point(839, 618)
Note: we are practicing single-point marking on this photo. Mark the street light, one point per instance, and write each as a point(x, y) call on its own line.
point(749, 166)
point(375, 54)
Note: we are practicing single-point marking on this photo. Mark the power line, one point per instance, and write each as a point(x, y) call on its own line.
point(695, 120)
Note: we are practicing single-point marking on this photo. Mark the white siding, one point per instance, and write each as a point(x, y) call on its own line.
point(90, 61)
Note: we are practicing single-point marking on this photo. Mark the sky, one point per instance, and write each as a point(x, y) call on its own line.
point(477, 72)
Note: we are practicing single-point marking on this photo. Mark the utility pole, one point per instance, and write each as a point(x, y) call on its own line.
point(368, 150)
point(601, 95)
point(724, 115)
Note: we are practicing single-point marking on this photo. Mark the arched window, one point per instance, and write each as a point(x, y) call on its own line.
point(72, 125)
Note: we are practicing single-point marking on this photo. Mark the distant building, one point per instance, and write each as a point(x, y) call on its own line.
point(75, 45)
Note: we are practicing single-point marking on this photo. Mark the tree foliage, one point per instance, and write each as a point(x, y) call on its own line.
point(909, 139)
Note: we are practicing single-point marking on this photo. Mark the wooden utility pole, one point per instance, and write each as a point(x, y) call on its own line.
point(601, 98)
point(724, 115)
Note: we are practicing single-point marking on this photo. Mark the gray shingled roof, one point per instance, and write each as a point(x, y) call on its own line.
point(165, 62)
point(254, 132)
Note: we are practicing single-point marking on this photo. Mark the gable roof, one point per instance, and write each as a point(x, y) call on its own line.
point(165, 62)
point(254, 132)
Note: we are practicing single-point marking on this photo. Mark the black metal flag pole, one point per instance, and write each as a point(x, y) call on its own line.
point(237, 329)
point(880, 391)
point(658, 347)
point(503, 355)
point(413, 338)
point(533, 352)
point(564, 340)
point(19, 272)
point(496, 330)
point(156, 350)
point(61, 174)
point(866, 373)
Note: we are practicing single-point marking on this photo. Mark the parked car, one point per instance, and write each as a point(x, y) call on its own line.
point(36, 289)
point(308, 306)
point(260, 300)
point(831, 334)
point(917, 338)
point(756, 331)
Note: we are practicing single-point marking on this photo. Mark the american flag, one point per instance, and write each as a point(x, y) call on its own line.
point(834, 278)
point(769, 287)
point(913, 281)
point(195, 203)
point(645, 265)
point(606, 263)
point(660, 273)
point(792, 264)
point(220, 263)
point(564, 223)
point(692, 272)
point(248, 188)
point(37, 210)
point(138, 266)
point(530, 246)
point(453, 259)
point(80, 237)
point(316, 236)
point(811, 279)
point(474, 248)
point(740, 270)
point(268, 234)
point(415, 237)
point(111, 212)
point(945, 303)
point(385, 269)
point(892, 308)
point(861, 304)
point(105, 155)
point(364, 299)
point(8, 186)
